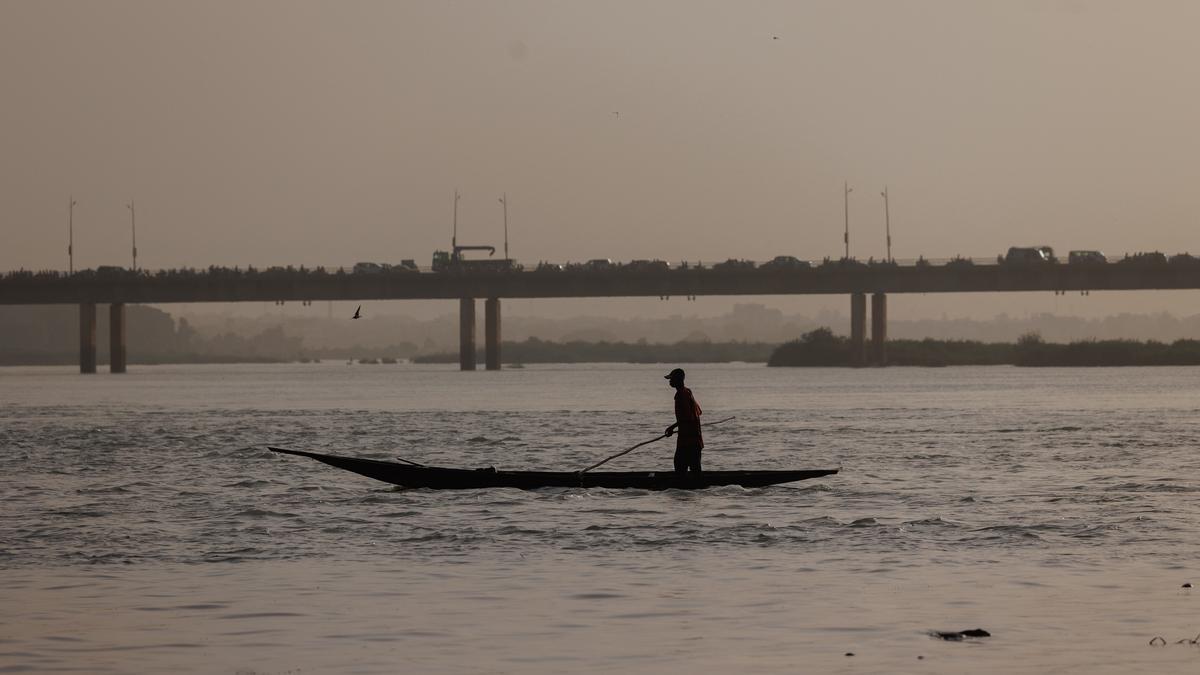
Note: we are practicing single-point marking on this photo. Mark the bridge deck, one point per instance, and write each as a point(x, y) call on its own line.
point(130, 287)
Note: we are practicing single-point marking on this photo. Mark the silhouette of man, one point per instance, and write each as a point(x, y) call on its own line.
point(688, 442)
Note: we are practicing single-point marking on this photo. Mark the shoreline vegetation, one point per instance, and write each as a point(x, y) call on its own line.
point(534, 350)
point(819, 348)
point(822, 349)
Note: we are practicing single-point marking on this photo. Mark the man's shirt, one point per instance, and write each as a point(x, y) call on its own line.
point(687, 414)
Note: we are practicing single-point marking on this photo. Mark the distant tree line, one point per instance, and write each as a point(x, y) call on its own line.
point(822, 348)
point(49, 335)
point(1031, 350)
point(534, 350)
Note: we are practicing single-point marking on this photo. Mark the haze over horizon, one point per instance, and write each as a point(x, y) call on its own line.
point(316, 133)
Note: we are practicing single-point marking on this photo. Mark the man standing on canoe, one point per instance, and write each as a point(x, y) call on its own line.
point(689, 442)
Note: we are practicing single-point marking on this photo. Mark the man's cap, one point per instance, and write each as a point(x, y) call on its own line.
point(673, 373)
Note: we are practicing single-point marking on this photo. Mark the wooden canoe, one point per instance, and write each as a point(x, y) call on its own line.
point(441, 478)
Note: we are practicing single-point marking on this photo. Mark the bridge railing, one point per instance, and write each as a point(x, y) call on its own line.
point(351, 268)
point(304, 271)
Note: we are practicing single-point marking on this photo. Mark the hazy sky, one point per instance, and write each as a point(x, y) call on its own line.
point(328, 133)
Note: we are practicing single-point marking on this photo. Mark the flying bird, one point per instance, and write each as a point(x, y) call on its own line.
point(357, 313)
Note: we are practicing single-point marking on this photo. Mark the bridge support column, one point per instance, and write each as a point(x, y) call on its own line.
point(466, 333)
point(491, 332)
point(879, 329)
point(858, 324)
point(87, 337)
point(116, 337)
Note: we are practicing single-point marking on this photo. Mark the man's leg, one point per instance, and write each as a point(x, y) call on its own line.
point(687, 459)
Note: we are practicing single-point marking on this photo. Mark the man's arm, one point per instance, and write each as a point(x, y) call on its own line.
point(671, 429)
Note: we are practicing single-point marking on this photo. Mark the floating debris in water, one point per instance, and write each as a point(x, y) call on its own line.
point(1160, 641)
point(957, 635)
point(849, 653)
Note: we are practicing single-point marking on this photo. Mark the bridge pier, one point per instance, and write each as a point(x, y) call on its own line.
point(491, 332)
point(879, 329)
point(116, 337)
point(858, 321)
point(466, 333)
point(87, 337)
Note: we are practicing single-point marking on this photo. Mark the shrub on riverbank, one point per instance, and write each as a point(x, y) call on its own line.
point(816, 348)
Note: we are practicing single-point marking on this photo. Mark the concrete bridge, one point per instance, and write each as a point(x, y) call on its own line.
point(844, 277)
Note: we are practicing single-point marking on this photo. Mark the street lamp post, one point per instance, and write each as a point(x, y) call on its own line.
point(504, 203)
point(887, 220)
point(133, 230)
point(846, 236)
point(71, 234)
point(454, 235)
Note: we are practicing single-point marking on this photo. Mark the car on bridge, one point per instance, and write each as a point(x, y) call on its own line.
point(785, 262)
point(1145, 258)
point(1029, 255)
point(368, 268)
point(843, 264)
point(734, 264)
point(1086, 258)
point(655, 265)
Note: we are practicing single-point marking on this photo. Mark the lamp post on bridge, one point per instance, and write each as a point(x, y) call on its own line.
point(846, 235)
point(504, 203)
point(71, 234)
point(454, 232)
point(887, 220)
point(133, 230)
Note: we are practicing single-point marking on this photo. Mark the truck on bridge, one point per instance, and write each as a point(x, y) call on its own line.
point(453, 261)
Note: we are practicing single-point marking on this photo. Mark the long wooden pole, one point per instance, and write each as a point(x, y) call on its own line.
point(626, 452)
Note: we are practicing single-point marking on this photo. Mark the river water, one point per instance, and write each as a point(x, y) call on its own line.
point(145, 528)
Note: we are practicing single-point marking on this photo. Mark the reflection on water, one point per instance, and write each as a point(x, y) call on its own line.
point(146, 528)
